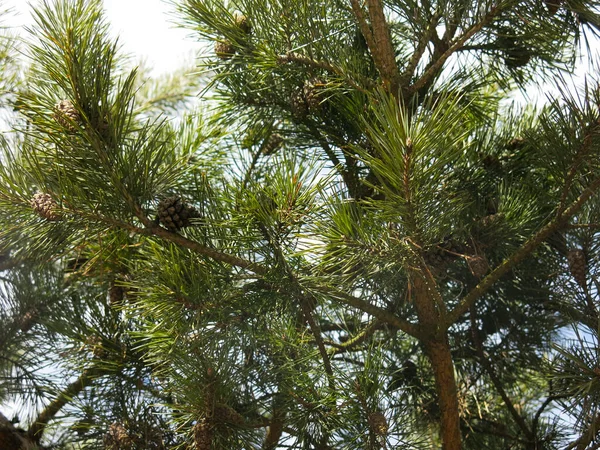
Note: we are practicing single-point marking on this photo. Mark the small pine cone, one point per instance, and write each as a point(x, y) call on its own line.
point(117, 438)
point(94, 343)
point(313, 90)
point(298, 106)
point(578, 266)
point(242, 22)
point(553, 6)
point(516, 56)
point(203, 434)
point(116, 294)
point(224, 49)
point(378, 423)
point(226, 414)
point(478, 265)
point(28, 320)
point(491, 219)
point(45, 206)
point(174, 214)
point(272, 144)
point(66, 115)
point(516, 143)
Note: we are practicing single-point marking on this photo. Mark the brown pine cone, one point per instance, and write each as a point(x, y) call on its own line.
point(174, 213)
point(66, 115)
point(203, 435)
point(274, 143)
point(578, 266)
point(116, 294)
point(313, 94)
point(224, 50)
point(117, 438)
point(226, 414)
point(242, 22)
point(378, 423)
point(298, 106)
point(478, 265)
point(45, 206)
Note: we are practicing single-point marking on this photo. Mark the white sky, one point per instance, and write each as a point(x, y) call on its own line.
point(145, 28)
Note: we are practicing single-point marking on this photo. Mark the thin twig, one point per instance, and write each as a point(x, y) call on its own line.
point(325, 65)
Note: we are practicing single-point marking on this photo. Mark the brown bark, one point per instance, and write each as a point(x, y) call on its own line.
point(275, 429)
point(36, 430)
point(437, 348)
point(438, 351)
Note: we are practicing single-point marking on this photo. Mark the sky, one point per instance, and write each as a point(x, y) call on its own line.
point(145, 28)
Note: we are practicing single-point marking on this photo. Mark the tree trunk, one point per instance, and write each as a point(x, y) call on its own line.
point(438, 351)
point(437, 348)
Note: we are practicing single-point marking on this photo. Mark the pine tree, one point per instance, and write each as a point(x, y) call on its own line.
point(354, 240)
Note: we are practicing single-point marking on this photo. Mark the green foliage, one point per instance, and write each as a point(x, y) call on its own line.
point(387, 252)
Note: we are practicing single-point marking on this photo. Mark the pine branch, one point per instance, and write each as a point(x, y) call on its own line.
point(329, 67)
point(436, 65)
point(523, 252)
point(379, 313)
point(359, 338)
point(36, 430)
point(426, 37)
point(379, 41)
point(586, 438)
point(276, 424)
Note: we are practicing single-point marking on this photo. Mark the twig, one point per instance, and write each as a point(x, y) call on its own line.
point(325, 65)
point(359, 338)
point(427, 35)
point(378, 39)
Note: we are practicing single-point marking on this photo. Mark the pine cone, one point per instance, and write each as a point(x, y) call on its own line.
point(28, 320)
point(116, 294)
point(313, 94)
point(516, 55)
point(117, 438)
point(578, 266)
point(273, 144)
point(95, 344)
point(378, 423)
point(224, 49)
point(174, 214)
point(553, 6)
point(203, 434)
point(66, 115)
point(298, 105)
point(478, 265)
point(516, 143)
point(242, 22)
point(45, 206)
point(226, 414)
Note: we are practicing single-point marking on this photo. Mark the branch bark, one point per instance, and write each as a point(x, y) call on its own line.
point(379, 40)
point(36, 430)
point(436, 65)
